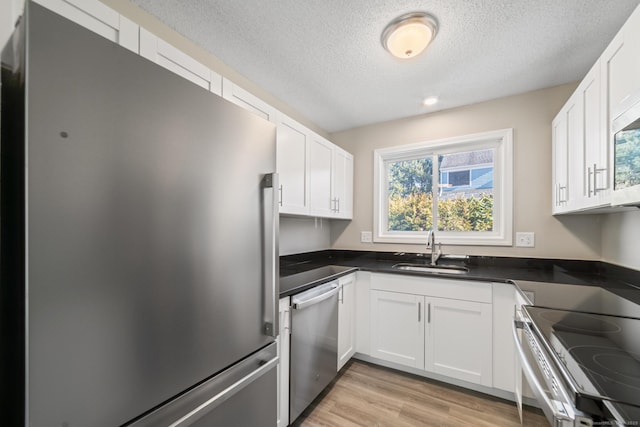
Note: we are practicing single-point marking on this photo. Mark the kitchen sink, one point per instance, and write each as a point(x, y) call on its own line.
point(426, 268)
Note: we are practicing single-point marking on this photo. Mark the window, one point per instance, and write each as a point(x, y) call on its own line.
point(463, 185)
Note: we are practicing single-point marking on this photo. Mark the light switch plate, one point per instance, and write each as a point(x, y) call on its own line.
point(526, 239)
point(366, 237)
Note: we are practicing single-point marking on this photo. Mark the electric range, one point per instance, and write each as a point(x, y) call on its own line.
point(585, 342)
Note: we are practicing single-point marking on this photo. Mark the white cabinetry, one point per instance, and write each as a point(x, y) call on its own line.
point(99, 18)
point(621, 67)
point(342, 184)
point(582, 143)
point(597, 189)
point(560, 165)
point(293, 142)
point(234, 93)
point(330, 180)
point(346, 319)
point(283, 364)
point(167, 56)
point(438, 325)
point(397, 328)
point(504, 355)
point(458, 342)
point(320, 165)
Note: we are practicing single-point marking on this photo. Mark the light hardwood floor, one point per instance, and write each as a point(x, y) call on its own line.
point(367, 395)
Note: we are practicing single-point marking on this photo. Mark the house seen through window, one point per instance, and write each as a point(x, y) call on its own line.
point(460, 188)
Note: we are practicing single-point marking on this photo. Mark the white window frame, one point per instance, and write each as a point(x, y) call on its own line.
point(502, 233)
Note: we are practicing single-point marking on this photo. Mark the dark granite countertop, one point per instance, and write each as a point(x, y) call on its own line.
point(297, 271)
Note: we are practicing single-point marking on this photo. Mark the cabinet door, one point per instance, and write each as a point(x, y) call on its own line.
point(576, 189)
point(621, 68)
point(173, 59)
point(504, 352)
point(346, 319)
point(342, 184)
point(596, 141)
point(99, 18)
point(320, 164)
point(234, 93)
point(292, 166)
point(559, 159)
point(397, 328)
point(283, 364)
point(459, 340)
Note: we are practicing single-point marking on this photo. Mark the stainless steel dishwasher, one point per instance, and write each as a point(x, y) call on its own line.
point(314, 345)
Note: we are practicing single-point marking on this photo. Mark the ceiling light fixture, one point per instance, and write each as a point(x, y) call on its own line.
point(409, 34)
point(432, 100)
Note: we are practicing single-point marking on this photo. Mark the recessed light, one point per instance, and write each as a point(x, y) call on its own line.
point(432, 100)
point(409, 34)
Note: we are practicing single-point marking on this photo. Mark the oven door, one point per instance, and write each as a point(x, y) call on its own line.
point(544, 381)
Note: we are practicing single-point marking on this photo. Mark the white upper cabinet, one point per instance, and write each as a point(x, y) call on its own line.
point(234, 93)
point(173, 59)
point(597, 191)
point(320, 169)
point(99, 18)
point(560, 165)
point(330, 180)
point(293, 142)
point(342, 184)
point(581, 132)
point(621, 67)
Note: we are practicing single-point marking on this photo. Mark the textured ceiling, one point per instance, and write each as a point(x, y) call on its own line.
point(325, 60)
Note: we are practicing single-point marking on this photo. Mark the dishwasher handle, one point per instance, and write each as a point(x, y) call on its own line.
point(300, 303)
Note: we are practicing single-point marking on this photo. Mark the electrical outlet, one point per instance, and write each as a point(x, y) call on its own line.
point(526, 240)
point(366, 237)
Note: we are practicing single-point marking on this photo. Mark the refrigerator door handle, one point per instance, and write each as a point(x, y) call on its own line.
point(224, 395)
point(271, 263)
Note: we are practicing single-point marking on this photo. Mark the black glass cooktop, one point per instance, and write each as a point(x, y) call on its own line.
point(599, 353)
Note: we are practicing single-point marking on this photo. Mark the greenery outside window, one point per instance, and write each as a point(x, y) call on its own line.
point(460, 187)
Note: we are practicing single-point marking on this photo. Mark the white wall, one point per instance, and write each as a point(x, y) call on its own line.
point(530, 115)
point(299, 235)
point(621, 239)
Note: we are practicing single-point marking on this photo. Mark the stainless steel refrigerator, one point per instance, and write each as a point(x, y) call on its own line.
point(139, 241)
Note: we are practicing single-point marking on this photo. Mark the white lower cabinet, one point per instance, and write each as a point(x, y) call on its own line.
point(346, 319)
point(397, 328)
point(431, 324)
point(283, 364)
point(458, 339)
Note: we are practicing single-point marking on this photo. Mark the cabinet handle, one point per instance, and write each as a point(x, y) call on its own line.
point(341, 294)
point(419, 311)
point(280, 190)
point(337, 204)
point(589, 182)
point(429, 313)
point(561, 192)
point(596, 171)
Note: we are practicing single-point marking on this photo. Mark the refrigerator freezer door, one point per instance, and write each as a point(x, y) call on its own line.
point(145, 229)
point(243, 395)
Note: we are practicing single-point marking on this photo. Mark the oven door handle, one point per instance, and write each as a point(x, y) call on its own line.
point(553, 409)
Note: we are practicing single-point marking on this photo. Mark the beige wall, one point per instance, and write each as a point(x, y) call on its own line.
point(153, 25)
point(620, 239)
point(530, 116)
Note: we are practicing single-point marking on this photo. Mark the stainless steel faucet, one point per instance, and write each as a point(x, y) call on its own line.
point(431, 244)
